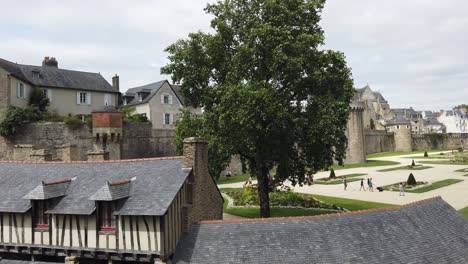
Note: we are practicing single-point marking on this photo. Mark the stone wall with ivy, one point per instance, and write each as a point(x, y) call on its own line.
point(379, 141)
point(440, 141)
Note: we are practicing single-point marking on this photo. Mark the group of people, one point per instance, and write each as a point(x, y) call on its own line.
point(370, 185)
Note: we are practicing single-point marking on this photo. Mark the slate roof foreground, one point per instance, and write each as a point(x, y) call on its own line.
point(10, 261)
point(429, 231)
point(157, 182)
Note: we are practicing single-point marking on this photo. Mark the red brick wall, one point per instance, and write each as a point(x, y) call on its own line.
point(107, 120)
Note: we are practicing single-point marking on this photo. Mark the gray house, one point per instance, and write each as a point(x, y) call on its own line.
point(160, 102)
point(69, 92)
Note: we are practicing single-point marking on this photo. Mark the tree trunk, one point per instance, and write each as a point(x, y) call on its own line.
point(263, 190)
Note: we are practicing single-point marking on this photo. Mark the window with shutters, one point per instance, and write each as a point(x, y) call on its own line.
point(166, 99)
point(167, 119)
point(20, 91)
point(106, 216)
point(83, 98)
point(40, 219)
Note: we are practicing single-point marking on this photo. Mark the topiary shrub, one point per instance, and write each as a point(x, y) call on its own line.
point(411, 180)
point(413, 164)
point(332, 174)
point(425, 154)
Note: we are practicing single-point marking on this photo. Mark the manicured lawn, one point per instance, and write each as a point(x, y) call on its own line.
point(349, 204)
point(444, 162)
point(234, 179)
point(436, 157)
point(369, 163)
point(429, 187)
point(396, 153)
point(349, 178)
point(406, 168)
point(464, 212)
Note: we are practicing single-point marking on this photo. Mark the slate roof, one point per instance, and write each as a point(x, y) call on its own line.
point(113, 191)
point(152, 89)
point(49, 190)
point(59, 78)
point(399, 120)
point(157, 182)
point(426, 232)
point(10, 261)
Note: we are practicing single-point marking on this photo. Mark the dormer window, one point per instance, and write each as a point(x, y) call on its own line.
point(107, 218)
point(35, 73)
point(140, 97)
point(40, 218)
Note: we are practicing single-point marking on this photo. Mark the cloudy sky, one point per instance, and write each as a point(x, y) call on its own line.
point(415, 52)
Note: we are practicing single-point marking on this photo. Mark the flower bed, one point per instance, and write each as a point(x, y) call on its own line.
point(249, 197)
point(406, 186)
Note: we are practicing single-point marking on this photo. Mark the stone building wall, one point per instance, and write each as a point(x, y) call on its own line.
point(355, 152)
point(141, 141)
point(379, 141)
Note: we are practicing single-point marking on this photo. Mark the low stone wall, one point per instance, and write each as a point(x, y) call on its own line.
point(440, 141)
point(67, 143)
point(379, 141)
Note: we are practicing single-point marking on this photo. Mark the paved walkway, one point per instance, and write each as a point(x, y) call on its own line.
point(455, 194)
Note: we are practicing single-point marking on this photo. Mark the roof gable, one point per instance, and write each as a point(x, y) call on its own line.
point(152, 89)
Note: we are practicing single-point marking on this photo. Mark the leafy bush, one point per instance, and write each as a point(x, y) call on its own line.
point(73, 121)
point(129, 117)
point(425, 154)
point(332, 174)
point(411, 180)
point(39, 100)
point(17, 117)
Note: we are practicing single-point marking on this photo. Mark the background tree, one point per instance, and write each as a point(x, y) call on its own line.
point(190, 125)
point(270, 92)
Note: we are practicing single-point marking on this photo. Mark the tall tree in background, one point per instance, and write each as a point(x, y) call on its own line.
point(270, 92)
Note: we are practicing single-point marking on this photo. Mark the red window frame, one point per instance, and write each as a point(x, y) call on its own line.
point(40, 217)
point(106, 216)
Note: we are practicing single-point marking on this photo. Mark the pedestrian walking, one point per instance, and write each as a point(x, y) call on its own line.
point(402, 190)
point(371, 185)
point(345, 183)
point(362, 185)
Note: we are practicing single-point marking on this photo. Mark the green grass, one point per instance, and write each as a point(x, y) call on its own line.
point(350, 204)
point(406, 168)
point(444, 162)
point(369, 163)
point(234, 179)
point(429, 187)
point(349, 178)
point(398, 153)
point(464, 212)
point(430, 157)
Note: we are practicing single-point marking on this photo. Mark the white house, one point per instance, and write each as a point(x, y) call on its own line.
point(454, 120)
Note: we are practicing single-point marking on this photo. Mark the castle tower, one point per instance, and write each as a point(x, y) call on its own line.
point(107, 133)
point(356, 152)
point(403, 138)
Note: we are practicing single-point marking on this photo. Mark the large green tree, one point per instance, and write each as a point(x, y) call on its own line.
point(269, 89)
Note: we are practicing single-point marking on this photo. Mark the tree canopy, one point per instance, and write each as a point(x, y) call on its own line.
point(269, 89)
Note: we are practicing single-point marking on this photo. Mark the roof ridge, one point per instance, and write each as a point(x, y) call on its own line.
point(324, 216)
point(62, 69)
point(90, 162)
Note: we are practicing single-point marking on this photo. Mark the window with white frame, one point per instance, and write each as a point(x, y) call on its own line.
point(167, 119)
point(166, 99)
point(397, 127)
point(83, 98)
point(20, 90)
point(107, 99)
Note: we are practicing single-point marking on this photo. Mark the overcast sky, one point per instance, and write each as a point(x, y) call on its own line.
point(414, 51)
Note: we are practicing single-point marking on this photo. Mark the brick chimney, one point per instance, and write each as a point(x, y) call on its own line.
point(50, 62)
point(116, 83)
point(207, 202)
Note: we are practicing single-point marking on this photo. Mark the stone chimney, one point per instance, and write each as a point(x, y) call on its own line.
point(116, 83)
point(206, 202)
point(50, 62)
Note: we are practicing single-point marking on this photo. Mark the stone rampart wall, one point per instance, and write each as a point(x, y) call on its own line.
point(379, 141)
